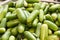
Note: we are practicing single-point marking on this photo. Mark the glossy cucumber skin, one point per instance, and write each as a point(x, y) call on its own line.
point(54, 7)
point(35, 22)
point(44, 32)
point(41, 15)
point(12, 23)
point(38, 29)
point(29, 35)
point(11, 16)
point(57, 33)
point(6, 35)
point(32, 16)
point(3, 22)
point(36, 6)
point(2, 30)
point(14, 31)
point(46, 9)
point(43, 5)
point(30, 9)
point(26, 13)
point(11, 9)
point(53, 37)
point(19, 3)
point(49, 17)
point(54, 16)
point(3, 25)
point(21, 28)
point(11, 38)
point(21, 15)
point(51, 25)
point(49, 32)
point(3, 13)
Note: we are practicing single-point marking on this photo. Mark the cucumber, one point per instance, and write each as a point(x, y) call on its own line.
point(49, 17)
point(58, 17)
point(3, 13)
point(12, 23)
point(21, 16)
point(32, 16)
point(43, 5)
point(51, 25)
point(3, 22)
point(25, 3)
point(14, 31)
point(19, 3)
point(54, 7)
point(26, 13)
point(44, 32)
point(11, 9)
point(49, 32)
point(53, 37)
point(11, 38)
point(21, 28)
point(35, 22)
point(46, 9)
point(38, 29)
point(30, 5)
point(2, 30)
point(54, 16)
point(29, 35)
point(6, 35)
point(32, 30)
point(11, 17)
point(41, 15)
point(30, 9)
point(57, 33)
point(57, 23)
point(37, 6)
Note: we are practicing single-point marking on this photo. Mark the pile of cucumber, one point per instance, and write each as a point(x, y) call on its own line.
point(30, 20)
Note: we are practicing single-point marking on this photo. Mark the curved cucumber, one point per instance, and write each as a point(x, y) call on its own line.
point(51, 25)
